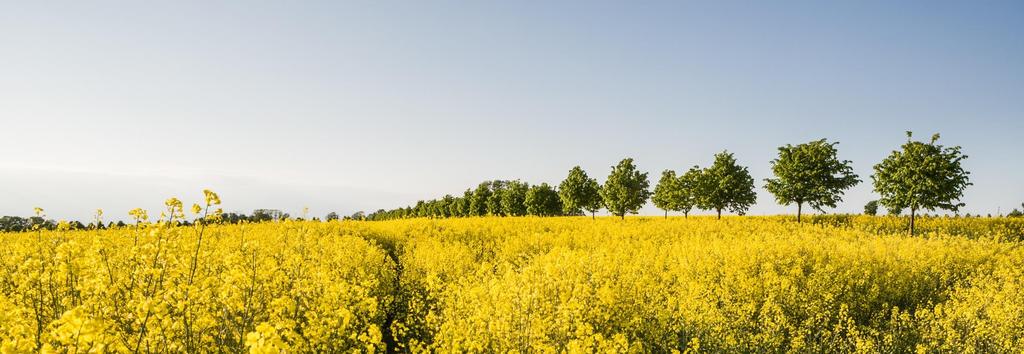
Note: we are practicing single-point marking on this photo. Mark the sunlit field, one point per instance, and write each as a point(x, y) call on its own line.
point(740, 284)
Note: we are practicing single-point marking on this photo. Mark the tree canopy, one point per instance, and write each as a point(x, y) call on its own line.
point(493, 204)
point(513, 199)
point(579, 193)
point(922, 176)
point(542, 200)
point(871, 208)
point(667, 192)
point(810, 173)
point(626, 189)
point(725, 186)
point(478, 204)
point(688, 184)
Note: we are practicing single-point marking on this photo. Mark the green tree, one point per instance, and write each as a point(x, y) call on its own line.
point(726, 186)
point(446, 207)
point(810, 173)
point(689, 182)
point(478, 204)
point(922, 176)
point(420, 210)
point(542, 200)
point(579, 193)
point(268, 215)
point(513, 199)
point(494, 202)
point(462, 203)
point(666, 192)
point(626, 189)
point(871, 208)
point(1016, 213)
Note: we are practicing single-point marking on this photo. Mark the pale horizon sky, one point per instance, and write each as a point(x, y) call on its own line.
point(348, 106)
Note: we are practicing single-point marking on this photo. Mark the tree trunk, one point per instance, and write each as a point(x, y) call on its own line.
point(686, 215)
point(719, 213)
point(623, 216)
point(912, 221)
point(799, 207)
point(592, 217)
point(666, 213)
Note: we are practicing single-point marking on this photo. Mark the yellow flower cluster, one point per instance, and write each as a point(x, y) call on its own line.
point(741, 284)
point(139, 215)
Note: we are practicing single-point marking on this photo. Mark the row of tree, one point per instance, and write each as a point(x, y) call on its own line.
point(489, 198)
point(919, 176)
point(724, 186)
point(18, 224)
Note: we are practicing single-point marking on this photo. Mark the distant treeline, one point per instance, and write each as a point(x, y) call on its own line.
point(489, 198)
point(18, 224)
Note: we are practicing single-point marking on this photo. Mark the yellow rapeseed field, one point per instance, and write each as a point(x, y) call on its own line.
point(741, 284)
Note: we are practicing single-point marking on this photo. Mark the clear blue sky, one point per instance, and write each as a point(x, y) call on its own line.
point(375, 104)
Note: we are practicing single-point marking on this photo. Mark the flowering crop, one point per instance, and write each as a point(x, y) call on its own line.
point(263, 287)
point(736, 285)
point(741, 284)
